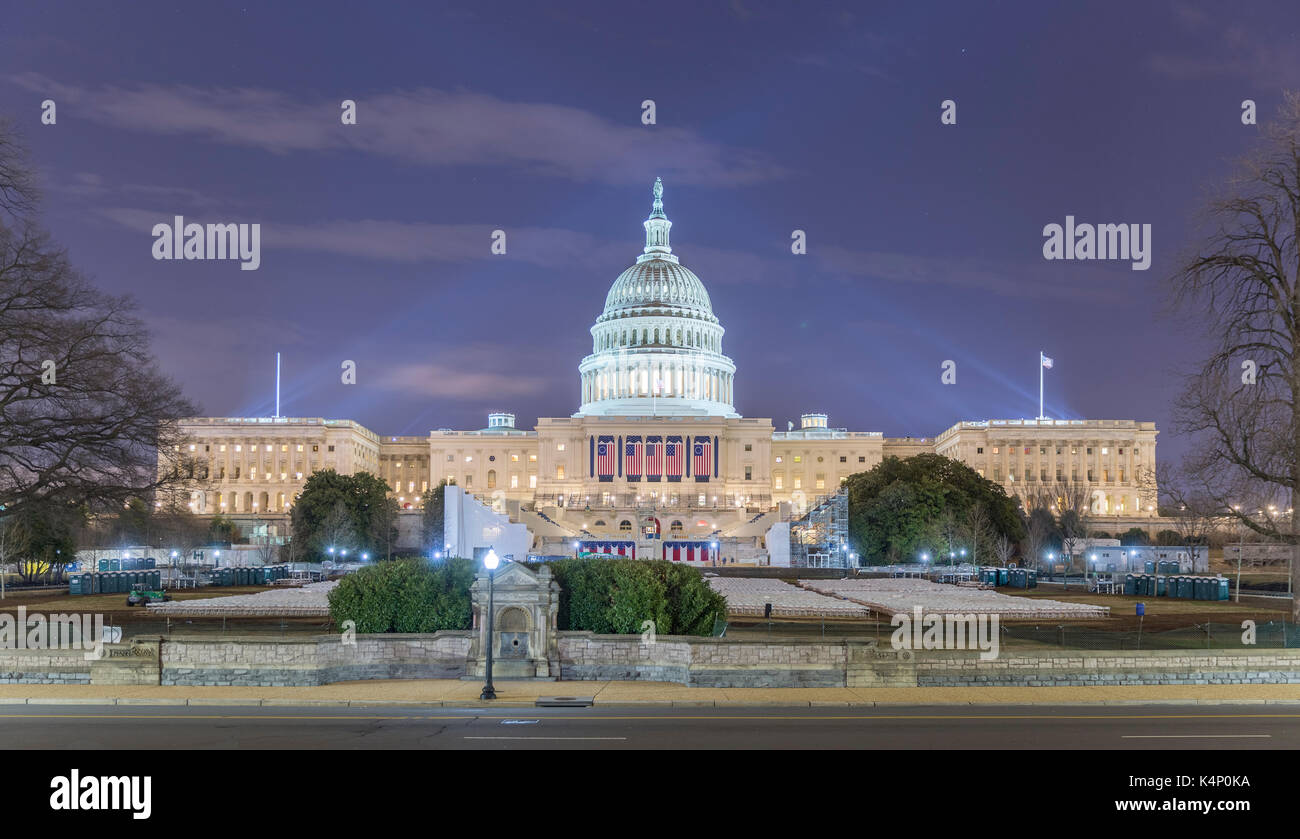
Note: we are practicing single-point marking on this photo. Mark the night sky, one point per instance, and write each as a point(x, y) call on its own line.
point(924, 240)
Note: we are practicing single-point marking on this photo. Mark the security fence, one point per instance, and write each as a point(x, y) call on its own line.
point(1044, 636)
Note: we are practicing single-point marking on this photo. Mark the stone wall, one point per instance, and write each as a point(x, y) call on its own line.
point(1148, 667)
point(708, 662)
point(313, 661)
point(44, 667)
point(705, 662)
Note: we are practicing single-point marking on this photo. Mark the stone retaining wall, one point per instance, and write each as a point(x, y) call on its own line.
point(317, 660)
point(704, 662)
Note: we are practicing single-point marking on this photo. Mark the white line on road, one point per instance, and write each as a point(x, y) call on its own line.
point(1190, 736)
point(545, 738)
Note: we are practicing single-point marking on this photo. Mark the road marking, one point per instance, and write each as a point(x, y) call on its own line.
point(667, 716)
point(520, 722)
point(1190, 736)
point(544, 738)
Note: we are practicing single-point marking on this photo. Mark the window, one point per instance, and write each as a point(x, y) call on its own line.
point(749, 473)
point(1042, 450)
point(469, 481)
point(675, 528)
point(241, 448)
point(532, 482)
point(843, 459)
point(625, 526)
point(996, 450)
point(532, 458)
point(492, 458)
point(798, 482)
point(821, 480)
point(268, 447)
point(559, 472)
point(1090, 450)
point(979, 450)
point(492, 479)
point(469, 458)
point(862, 458)
point(1105, 450)
point(284, 447)
point(559, 447)
point(331, 448)
point(450, 458)
point(514, 482)
point(779, 482)
point(798, 459)
point(223, 448)
point(1119, 451)
point(778, 458)
point(749, 447)
point(317, 448)
point(192, 447)
point(514, 458)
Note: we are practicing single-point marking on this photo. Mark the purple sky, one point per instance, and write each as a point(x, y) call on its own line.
point(925, 240)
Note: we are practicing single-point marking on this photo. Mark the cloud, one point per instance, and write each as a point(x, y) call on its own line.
point(1226, 52)
point(456, 380)
point(406, 242)
point(1014, 281)
point(422, 126)
point(88, 185)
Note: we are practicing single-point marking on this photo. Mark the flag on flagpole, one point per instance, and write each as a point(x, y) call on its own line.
point(1047, 362)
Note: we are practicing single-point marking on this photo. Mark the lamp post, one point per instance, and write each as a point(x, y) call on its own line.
point(490, 562)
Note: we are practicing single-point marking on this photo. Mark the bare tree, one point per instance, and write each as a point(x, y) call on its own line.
point(1004, 547)
point(336, 528)
point(1073, 505)
point(87, 419)
point(976, 529)
point(1241, 404)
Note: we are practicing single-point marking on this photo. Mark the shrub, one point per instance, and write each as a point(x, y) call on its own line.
point(615, 596)
point(1168, 538)
point(1134, 537)
point(406, 595)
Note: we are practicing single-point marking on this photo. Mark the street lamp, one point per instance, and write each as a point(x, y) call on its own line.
point(490, 562)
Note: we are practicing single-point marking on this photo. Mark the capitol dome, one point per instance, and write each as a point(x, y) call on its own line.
point(657, 346)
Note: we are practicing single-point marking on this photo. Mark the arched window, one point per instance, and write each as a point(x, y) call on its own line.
point(492, 479)
point(625, 526)
point(600, 523)
point(675, 528)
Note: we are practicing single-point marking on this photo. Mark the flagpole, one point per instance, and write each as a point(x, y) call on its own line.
point(1040, 384)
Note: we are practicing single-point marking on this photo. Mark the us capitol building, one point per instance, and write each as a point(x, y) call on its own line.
point(656, 447)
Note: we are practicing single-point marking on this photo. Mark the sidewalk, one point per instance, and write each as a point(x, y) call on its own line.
point(455, 693)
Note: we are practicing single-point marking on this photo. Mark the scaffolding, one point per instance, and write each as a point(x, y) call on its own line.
point(820, 538)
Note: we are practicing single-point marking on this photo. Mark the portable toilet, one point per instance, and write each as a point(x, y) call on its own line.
point(150, 563)
point(74, 584)
point(1130, 587)
point(1198, 588)
point(1150, 580)
point(1149, 567)
point(1031, 578)
point(1162, 586)
point(1221, 588)
point(1187, 587)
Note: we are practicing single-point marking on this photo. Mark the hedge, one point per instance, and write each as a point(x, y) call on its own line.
point(406, 595)
point(615, 597)
point(606, 596)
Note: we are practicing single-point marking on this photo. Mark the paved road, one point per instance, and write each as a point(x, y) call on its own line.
point(1038, 727)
